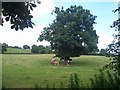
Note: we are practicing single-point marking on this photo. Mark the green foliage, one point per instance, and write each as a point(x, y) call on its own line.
point(18, 13)
point(47, 86)
point(35, 49)
point(37, 87)
point(72, 32)
point(105, 80)
point(41, 49)
point(61, 85)
point(114, 64)
point(113, 49)
point(3, 88)
point(26, 47)
point(48, 49)
point(3, 47)
point(99, 81)
point(102, 52)
point(74, 81)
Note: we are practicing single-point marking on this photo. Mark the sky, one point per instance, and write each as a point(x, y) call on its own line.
point(43, 17)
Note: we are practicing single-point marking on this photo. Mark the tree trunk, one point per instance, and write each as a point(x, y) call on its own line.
point(65, 62)
point(66, 59)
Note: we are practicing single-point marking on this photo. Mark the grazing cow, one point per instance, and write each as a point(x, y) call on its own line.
point(55, 61)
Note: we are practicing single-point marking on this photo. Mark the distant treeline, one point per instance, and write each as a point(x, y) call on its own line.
point(36, 49)
point(41, 49)
point(6, 49)
point(14, 47)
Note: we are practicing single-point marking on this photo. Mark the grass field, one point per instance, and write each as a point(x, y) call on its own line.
point(18, 51)
point(26, 71)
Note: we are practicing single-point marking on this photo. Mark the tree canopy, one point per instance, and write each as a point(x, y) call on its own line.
point(35, 49)
point(41, 49)
point(113, 49)
point(102, 52)
point(26, 47)
point(18, 13)
point(71, 33)
point(3, 47)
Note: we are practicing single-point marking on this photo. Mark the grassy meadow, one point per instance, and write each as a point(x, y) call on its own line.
point(26, 71)
point(18, 51)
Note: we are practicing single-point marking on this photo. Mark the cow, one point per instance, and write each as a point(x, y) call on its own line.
point(55, 61)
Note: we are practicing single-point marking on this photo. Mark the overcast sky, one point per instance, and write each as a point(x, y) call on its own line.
point(42, 18)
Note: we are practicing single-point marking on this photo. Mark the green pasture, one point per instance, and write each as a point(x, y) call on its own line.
point(26, 71)
point(17, 51)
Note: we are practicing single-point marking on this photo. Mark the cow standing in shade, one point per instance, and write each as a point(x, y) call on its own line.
point(55, 61)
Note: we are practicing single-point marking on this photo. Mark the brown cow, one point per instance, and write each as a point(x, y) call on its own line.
point(55, 61)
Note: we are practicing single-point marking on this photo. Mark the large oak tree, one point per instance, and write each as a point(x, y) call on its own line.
point(72, 33)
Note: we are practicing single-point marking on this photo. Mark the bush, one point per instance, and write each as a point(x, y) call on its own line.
point(74, 81)
point(107, 80)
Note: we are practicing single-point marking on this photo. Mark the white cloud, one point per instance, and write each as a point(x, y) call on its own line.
point(45, 7)
point(104, 40)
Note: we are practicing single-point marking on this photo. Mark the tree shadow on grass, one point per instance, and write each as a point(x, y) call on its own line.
point(78, 63)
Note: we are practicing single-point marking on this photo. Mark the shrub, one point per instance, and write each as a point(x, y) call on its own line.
point(74, 81)
point(107, 80)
